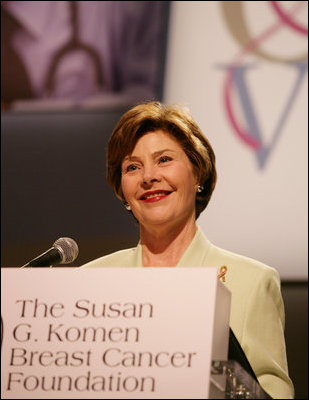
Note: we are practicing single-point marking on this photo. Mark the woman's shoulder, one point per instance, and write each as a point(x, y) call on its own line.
point(242, 266)
point(121, 258)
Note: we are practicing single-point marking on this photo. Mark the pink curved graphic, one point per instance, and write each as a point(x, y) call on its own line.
point(243, 134)
point(286, 18)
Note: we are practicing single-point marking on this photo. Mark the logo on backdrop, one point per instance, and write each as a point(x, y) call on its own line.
point(236, 80)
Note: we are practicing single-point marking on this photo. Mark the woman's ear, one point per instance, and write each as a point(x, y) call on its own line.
point(123, 200)
point(197, 181)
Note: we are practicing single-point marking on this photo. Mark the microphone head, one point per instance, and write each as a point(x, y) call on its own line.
point(67, 248)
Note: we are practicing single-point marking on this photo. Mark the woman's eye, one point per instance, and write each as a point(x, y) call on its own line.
point(131, 167)
point(164, 159)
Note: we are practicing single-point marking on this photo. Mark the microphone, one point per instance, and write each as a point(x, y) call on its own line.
point(64, 251)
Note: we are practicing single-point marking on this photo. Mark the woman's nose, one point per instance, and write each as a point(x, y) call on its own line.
point(150, 174)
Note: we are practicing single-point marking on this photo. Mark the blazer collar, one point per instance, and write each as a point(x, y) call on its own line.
point(196, 253)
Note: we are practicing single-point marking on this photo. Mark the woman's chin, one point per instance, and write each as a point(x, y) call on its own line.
point(156, 219)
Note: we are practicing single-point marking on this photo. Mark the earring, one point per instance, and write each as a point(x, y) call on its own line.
point(200, 188)
point(127, 205)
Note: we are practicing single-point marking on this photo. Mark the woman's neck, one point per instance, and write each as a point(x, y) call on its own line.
point(164, 246)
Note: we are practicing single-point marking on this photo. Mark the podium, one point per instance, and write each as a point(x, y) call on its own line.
point(113, 333)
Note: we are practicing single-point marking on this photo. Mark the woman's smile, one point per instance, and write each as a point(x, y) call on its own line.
point(154, 196)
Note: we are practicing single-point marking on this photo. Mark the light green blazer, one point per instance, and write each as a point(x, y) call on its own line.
point(257, 310)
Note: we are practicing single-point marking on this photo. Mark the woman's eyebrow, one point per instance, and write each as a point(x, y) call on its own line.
point(159, 152)
point(154, 155)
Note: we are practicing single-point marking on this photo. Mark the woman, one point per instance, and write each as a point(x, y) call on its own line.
point(161, 166)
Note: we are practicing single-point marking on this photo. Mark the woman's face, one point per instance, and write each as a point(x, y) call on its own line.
point(158, 181)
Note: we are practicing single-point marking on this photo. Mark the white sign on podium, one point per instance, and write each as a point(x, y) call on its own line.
point(129, 333)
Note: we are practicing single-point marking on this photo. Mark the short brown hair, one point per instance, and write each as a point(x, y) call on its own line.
point(175, 120)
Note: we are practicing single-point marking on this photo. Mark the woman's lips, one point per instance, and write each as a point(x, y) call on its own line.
point(151, 197)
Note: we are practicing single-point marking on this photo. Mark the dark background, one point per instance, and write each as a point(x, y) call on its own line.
point(54, 185)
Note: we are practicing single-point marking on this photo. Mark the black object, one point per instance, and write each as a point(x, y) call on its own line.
point(236, 353)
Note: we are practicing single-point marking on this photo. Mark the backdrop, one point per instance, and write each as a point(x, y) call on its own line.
point(241, 67)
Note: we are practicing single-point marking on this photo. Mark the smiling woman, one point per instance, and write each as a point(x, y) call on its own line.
point(162, 167)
